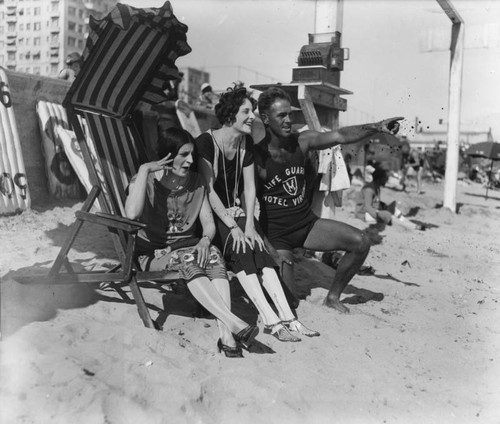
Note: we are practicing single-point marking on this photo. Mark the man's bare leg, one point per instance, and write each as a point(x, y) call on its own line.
point(327, 235)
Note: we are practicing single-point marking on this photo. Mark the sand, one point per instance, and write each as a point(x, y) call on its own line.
point(426, 353)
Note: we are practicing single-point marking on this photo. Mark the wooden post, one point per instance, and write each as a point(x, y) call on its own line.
point(328, 18)
point(454, 104)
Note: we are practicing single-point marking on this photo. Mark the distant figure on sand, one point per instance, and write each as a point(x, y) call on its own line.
point(416, 161)
point(372, 210)
point(226, 161)
point(171, 200)
point(287, 216)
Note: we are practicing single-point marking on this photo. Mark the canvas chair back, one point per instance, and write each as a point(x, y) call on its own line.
point(123, 68)
point(120, 151)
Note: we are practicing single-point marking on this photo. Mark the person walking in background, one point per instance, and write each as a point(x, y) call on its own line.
point(286, 217)
point(171, 200)
point(414, 160)
point(226, 161)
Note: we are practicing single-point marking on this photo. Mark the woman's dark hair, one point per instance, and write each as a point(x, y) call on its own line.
point(171, 140)
point(268, 97)
point(230, 102)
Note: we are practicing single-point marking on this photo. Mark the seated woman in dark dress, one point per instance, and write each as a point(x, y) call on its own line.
point(226, 161)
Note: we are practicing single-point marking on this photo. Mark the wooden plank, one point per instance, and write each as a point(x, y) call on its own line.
point(95, 277)
point(307, 106)
point(141, 304)
point(291, 88)
point(450, 11)
point(110, 221)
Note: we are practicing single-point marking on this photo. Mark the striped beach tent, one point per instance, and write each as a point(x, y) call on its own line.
point(128, 60)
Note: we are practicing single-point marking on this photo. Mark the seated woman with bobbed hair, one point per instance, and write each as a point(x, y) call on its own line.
point(171, 200)
point(226, 161)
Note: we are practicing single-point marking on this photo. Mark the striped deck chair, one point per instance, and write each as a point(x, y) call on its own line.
point(128, 59)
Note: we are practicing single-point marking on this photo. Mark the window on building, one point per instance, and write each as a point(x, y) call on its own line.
point(11, 27)
point(71, 11)
point(53, 69)
point(54, 6)
point(54, 22)
point(11, 56)
point(36, 70)
point(28, 11)
point(28, 41)
point(21, 27)
point(28, 26)
point(80, 44)
point(36, 41)
point(37, 26)
point(71, 41)
point(54, 38)
point(80, 13)
point(36, 56)
point(36, 11)
point(80, 29)
point(72, 26)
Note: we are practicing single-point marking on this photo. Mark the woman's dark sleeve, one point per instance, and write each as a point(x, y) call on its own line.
point(205, 147)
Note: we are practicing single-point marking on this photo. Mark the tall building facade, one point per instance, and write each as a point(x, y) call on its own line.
point(37, 35)
point(190, 87)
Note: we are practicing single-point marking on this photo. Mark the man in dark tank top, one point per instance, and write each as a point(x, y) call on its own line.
point(286, 214)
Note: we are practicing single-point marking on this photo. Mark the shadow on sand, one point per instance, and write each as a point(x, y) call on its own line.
point(22, 304)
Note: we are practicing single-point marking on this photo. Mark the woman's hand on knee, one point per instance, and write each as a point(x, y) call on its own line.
point(239, 240)
point(254, 238)
point(203, 249)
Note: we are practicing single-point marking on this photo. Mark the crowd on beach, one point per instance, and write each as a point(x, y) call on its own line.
point(200, 204)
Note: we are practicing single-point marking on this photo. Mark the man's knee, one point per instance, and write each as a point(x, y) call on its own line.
point(363, 244)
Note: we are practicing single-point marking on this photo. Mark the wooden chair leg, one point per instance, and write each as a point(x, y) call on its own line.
point(141, 304)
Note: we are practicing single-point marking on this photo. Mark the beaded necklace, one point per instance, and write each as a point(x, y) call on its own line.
point(237, 174)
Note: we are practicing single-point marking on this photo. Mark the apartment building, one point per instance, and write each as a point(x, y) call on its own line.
point(190, 86)
point(37, 35)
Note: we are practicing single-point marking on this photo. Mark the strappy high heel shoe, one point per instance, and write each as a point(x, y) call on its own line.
point(296, 325)
point(281, 332)
point(229, 351)
point(246, 336)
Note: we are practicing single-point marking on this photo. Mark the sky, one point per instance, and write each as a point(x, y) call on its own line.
point(391, 71)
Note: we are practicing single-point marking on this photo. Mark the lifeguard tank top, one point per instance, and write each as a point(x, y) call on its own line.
point(285, 206)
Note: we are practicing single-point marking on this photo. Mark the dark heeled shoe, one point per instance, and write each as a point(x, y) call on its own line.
point(229, 351)
point(246, 336)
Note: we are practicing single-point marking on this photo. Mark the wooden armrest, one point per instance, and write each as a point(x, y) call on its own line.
point(109, 220)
